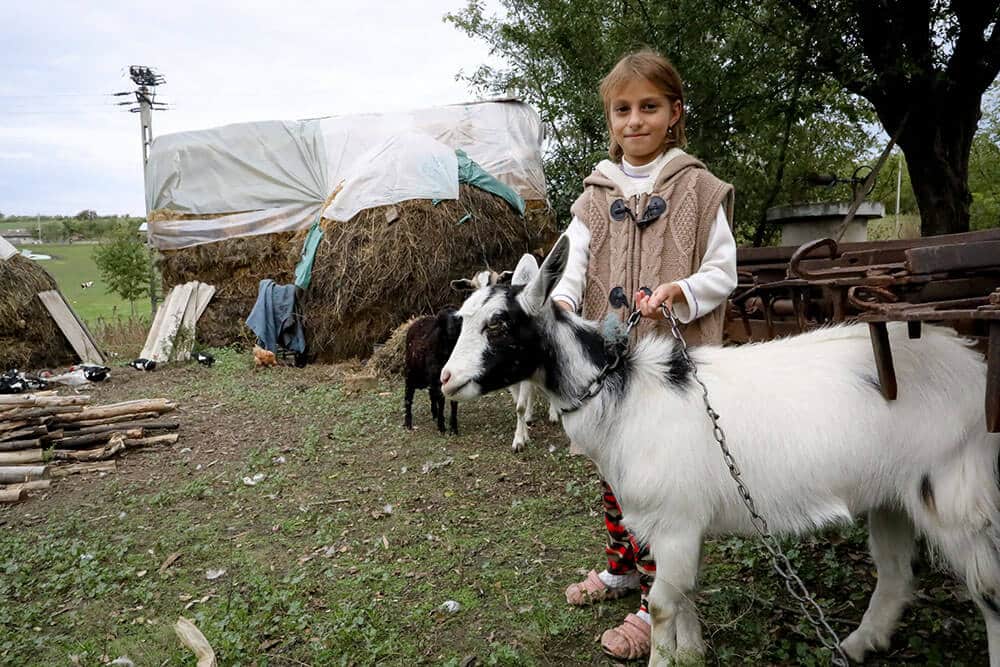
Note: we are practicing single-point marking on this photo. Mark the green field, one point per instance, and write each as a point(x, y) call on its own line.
point(72, 264)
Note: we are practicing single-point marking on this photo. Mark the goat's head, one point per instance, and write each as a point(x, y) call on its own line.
point(501, 339)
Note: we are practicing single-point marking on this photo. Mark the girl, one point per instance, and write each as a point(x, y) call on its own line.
point(652, 216)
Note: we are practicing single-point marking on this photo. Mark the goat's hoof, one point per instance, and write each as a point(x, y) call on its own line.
point(517, 446)
point(860, 642)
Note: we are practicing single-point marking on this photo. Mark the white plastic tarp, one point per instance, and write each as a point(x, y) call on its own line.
point(277, 175)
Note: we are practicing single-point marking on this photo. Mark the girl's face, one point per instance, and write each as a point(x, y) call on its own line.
point(640, 117)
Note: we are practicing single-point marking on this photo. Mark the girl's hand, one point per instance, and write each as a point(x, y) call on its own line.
point(667, 293)
point(565, 305)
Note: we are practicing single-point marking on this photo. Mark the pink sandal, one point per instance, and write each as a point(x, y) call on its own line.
point(592, 590)
point(629, 641)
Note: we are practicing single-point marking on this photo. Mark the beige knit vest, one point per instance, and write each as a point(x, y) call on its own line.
point(669, 249)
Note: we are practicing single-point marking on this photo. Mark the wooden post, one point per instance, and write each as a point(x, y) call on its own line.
point(883, 359)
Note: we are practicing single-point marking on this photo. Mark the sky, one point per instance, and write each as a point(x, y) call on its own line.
point(65, 146)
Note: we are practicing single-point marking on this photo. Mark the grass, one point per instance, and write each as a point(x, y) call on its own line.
point(73, 264)
point(346, 551)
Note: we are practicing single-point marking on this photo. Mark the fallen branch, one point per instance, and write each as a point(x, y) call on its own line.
point(114, 446)
point(165, 439)
point(66, 469)
point(87, 439)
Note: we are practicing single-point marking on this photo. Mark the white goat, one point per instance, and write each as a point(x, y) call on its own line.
point(805, 419)
point(522, 392)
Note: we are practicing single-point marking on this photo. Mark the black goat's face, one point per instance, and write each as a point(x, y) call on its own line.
point(501, 341)
point(449, 323)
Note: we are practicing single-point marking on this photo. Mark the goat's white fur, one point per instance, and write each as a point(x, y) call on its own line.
point(814, 440)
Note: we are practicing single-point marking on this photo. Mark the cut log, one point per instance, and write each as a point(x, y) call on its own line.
point(89, 439)
point(15, 445)
point(108, 420)
point(66, 469)
point(166, 439)
point(21, 456)
point(150, 425)
point(33, 413)
point(15, 474)
point(12, 425)
point(22, 433)
point(52, 436)
point(158, 405)
point(39, 401)
point(12, 495)
point(37, 485)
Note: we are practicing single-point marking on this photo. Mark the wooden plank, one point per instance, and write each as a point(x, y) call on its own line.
point(993, 379)
point(77, 335)
point(883, 359)
point(183, 346)
point(205, 294)
point(163, 345)
point(157, 325)
point(6, 249)
point(955, 257)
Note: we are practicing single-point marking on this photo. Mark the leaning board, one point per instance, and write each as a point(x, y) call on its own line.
point(74, 330)
point(6, 249)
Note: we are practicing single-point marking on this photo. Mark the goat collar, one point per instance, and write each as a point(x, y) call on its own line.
point(616, 352)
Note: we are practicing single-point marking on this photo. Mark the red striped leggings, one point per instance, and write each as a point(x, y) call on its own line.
point(625, 553)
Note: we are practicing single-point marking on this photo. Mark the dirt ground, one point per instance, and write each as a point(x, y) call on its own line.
point(359, 537)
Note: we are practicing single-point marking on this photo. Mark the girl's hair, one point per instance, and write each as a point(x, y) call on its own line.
point(650, 65)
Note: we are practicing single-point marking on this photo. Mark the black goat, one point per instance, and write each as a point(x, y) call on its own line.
point(429, 342)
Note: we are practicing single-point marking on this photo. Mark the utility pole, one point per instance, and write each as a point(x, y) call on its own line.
point(146, 81)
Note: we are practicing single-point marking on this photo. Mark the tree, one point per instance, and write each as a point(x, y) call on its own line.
point(758, 113)
point(925, 61)
point(86, 214)
point(124, 263)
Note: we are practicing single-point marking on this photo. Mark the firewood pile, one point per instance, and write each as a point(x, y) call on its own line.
point(44, 437)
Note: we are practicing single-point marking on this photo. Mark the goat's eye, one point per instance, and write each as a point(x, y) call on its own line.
point(496, 323)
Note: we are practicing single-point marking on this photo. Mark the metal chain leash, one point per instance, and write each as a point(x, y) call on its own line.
point(793, 584)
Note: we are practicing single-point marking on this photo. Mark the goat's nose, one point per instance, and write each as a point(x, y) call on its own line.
point(445, 376)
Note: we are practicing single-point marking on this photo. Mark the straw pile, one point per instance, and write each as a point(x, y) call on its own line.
point(29, 337)
point(371, 274)
point(388, 360)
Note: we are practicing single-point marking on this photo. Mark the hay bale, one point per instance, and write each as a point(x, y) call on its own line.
point(389, 358)
point(370, 274)
point(29, 337)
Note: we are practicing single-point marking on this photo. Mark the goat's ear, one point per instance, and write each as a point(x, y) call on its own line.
point(463, 285)
point(504, 278)
point(537, 291)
